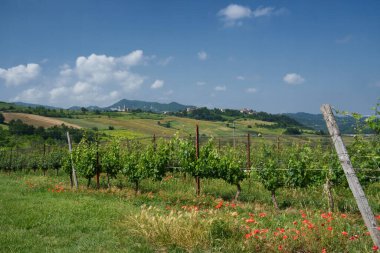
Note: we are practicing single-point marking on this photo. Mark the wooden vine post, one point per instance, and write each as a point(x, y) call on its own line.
point(249, 158)
point(97, 162)
point(197, 179)
point(74, 174)
point(353, 182)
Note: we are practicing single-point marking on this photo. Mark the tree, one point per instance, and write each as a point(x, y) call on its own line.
point(1, 118)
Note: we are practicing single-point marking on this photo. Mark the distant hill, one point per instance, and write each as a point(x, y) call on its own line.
point(148, 106)
point(346, 123)
point(35, 105)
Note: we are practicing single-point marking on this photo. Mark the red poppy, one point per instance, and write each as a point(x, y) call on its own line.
point(324, 250)
point(219, 205)
point(344, 233)
point(330, 228)
point(343, 215)
point(375, 248)
point(247, 236)
point(250, 220)
point(262, 215)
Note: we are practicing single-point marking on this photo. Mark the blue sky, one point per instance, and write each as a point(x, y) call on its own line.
point(274, 56)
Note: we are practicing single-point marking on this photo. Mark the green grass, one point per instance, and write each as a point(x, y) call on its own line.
point(162, 217)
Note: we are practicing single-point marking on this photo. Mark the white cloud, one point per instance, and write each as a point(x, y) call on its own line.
point(241, 78)
point(132, 59)
point(263, 11)
point(251, 90)
point(220, 88)
point(166, 61)
point(32, 95)
point(202, 55)
point(81, 88)
point(200, 83)
point(233, 14)
point(293, 78)
point(20, 74)
point(157, 84)
point(58, 92)
point(97, 79)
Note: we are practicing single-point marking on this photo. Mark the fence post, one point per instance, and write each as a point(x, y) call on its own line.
point(74, 174)
point(97, 162)
point(197, 179)
point(154, 142)
point(249, 152)
point(249, 160)
point(353, 182)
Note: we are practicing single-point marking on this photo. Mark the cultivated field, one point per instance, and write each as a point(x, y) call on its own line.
point(36, 120)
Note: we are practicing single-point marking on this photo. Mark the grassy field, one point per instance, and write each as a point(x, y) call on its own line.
point(40, 213)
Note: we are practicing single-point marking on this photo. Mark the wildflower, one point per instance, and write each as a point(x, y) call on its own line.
point(324, 250)
point(344, 233)
point(256, 231)
point(280, 247)
point(285, 237)
point(303, 215)
point(233, 205)
point(295, 237)
point(378, 228)
point(378, 217)
point(375, 248)
point(343, 215)
point(262, 215)
point(330, 228)
point(250, 220)
point(247, 236)
point(219, 205)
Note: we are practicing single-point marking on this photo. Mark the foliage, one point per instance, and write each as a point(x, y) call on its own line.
point(231, 167)
point(300, 166)
point(1, 118)
point(269, 169)
point(84, 158)
point(111, 159)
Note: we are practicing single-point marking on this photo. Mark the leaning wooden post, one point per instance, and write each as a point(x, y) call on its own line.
point(74, 174)
point(197, 179)
point(353, 182)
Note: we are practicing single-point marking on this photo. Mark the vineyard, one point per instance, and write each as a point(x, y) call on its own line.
point(274, 166)
point(238, 193)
